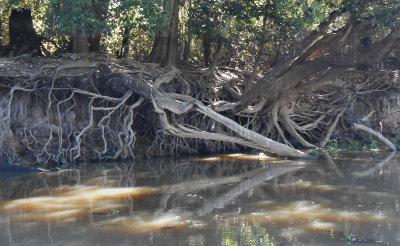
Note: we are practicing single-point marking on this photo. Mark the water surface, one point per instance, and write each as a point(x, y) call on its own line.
point(344, 198)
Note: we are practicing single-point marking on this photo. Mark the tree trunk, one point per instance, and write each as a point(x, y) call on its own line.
point(260, 54)
point(288, 74)
point(206, 50)
point(23, 37)
point(100, 8)
point(173, 35)
point(220, 44)
point(1, 28)
point(94, 42)
point(3, 48)
point(124, 53)
point(165, 45)
point(80, 43)
point(187, 48)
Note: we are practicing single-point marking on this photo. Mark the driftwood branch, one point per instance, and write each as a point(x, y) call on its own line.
point(377, 135)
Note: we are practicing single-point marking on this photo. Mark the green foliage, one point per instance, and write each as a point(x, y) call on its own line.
point(71, 15)
point(196, 240)
point(206, 17)
point(300, 15)
point(357, 146)
point(131, 14)
point(348, 236)
point(246, 235)
point(38, 7)
point(286, 22)
point(136, 17)
point(382, 14)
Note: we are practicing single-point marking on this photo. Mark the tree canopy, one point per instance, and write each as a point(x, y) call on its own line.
point(275, 25)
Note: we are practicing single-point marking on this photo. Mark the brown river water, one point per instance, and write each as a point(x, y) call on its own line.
point(341, 198)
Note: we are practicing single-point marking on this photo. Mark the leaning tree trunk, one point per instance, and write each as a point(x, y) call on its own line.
point(165, 45)
point(304, 96)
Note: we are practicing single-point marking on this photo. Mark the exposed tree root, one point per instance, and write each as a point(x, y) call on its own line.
point(247, 137)
point(62, 111)
point(89, 111)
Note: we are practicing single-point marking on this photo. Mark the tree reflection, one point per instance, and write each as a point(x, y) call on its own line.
point(227, 202)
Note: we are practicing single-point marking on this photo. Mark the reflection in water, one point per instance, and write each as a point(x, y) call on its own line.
point(245, 157)
point(306, 185)
point(310, 214)
point(68, 203)
point(144, 224)
point(228, 200)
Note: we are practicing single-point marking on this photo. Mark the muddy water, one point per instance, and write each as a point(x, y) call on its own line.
point(342, 198)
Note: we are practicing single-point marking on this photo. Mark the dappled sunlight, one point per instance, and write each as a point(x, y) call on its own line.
point(209, 159)
point(70, 203)
point(307, 185)
point(291, 233)
point(101, 181)
point(239, 156)
point(320, 225)
point(229, 202)
point(303, 211)
point(265, 204)
point(146, 223)
point(304, 216)
point(248, 157)
point(246, 234)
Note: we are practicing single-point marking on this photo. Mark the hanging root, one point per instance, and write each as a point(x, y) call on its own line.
point(100, 110)
point(64, 114)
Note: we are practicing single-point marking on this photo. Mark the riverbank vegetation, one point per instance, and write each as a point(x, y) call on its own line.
point(90, 80)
